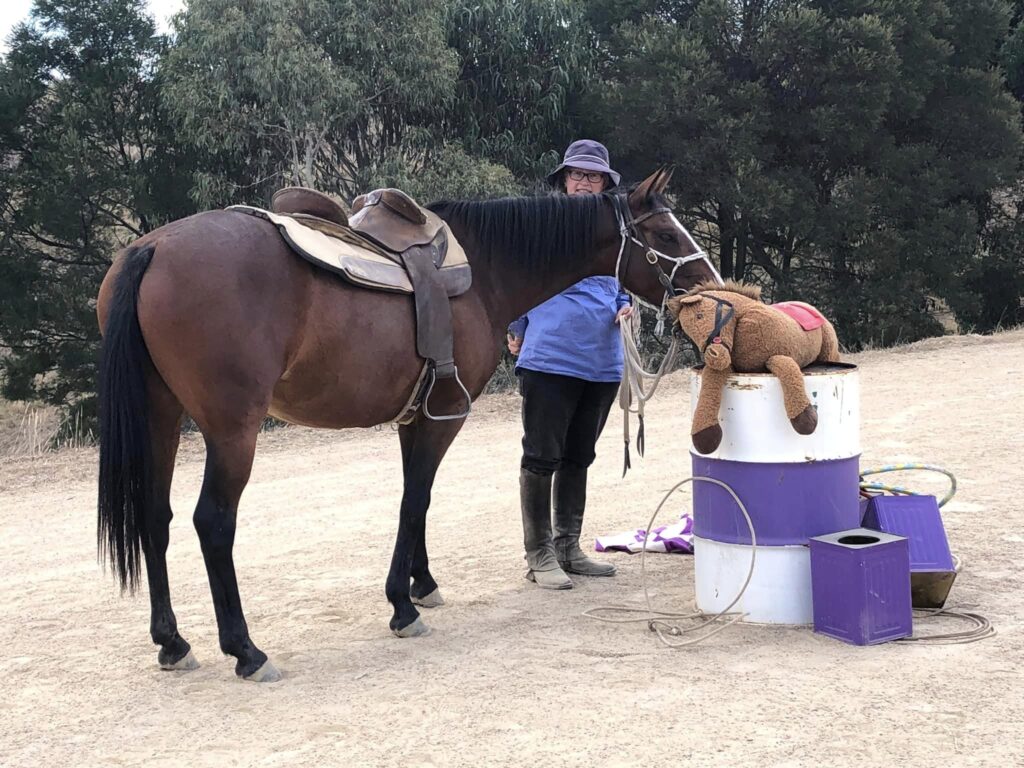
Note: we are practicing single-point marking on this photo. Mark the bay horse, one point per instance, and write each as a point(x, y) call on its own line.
point(215, 317)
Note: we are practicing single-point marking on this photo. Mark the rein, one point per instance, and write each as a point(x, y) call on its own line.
point(637, 384)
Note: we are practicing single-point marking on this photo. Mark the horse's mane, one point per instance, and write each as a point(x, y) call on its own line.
point(535, 232)
point(730, 286)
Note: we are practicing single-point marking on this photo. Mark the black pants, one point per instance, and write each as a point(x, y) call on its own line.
point(562, 418)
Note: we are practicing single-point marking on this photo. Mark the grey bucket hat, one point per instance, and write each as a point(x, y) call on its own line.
point(587, 154)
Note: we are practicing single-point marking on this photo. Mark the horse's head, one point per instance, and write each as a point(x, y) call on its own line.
point(708, 318)
point(658, 257)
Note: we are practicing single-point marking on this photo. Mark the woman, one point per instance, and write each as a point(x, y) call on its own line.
point(569, 368)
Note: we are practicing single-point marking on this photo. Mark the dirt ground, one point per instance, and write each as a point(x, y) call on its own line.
point(511, 675)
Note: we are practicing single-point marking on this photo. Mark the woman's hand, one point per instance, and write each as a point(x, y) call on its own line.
point(623, 314)
point(514, 344)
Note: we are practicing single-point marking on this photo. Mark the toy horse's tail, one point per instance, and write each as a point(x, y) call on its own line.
point(829, 344)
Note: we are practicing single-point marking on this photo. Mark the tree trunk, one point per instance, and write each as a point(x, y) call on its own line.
point(726, 240)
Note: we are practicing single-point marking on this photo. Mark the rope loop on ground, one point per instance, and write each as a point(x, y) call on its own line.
point(663, 623)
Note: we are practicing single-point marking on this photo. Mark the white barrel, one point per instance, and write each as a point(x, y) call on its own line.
point(793, 486)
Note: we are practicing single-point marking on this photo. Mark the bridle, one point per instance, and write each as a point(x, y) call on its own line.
point(638, 386)
point(722, 318)
point(629, 231)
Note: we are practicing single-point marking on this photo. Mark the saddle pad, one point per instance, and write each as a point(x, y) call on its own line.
point(806, 316)
point(345, 253)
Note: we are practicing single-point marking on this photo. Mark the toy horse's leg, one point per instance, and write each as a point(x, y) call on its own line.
point(799, 410)
point(829, 344)
point(706, 431)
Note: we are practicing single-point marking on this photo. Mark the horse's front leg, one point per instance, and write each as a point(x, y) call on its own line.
point(424, 444)
point(424, 591)
point(705, 431)
point(799, 411)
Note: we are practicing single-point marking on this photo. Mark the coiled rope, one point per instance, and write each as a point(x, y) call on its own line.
point(900, 490)
point(661, 622)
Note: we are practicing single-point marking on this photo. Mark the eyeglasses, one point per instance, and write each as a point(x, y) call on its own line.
point(593, 177)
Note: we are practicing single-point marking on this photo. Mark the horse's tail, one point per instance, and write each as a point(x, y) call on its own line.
point(125, 481)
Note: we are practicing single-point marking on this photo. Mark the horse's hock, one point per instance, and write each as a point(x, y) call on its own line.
point(794, 487)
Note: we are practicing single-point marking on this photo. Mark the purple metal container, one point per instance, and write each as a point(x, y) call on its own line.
point(919, 520)
point(860, 586)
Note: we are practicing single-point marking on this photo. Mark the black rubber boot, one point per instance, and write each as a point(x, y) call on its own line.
point(535, 496)
point(570, 502)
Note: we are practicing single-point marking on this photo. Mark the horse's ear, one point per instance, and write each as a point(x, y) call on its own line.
point(653, 185)
point(676, 303)
point(663, 176)
point(644, 188)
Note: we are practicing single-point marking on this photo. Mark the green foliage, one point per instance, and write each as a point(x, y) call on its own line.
point(845, 152)
point(860, 154)
point(310, 92)
point(992, 277)
point(89, 165)
point(522, 64)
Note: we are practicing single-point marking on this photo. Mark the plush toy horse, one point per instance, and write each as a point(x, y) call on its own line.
point(738, 333)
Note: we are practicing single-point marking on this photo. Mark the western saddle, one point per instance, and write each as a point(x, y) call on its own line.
point(388, 243)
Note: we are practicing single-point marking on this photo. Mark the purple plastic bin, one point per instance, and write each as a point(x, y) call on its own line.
point(865, 501)
point(917, 518)
point(931, 564)
point(860, 586)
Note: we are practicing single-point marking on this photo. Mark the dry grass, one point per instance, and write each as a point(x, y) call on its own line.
point(27, 429)
point(32, 429)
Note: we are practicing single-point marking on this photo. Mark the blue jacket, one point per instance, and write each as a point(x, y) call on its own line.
point(574, 333)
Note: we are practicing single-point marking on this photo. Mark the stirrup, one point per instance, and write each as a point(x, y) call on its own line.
point(432, 376)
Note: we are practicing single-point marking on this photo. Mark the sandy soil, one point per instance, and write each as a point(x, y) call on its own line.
point(511, 675)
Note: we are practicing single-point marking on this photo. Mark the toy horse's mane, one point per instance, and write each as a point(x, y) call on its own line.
point(729, 286)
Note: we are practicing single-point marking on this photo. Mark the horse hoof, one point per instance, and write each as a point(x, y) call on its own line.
point(417, 629)
point(708, 439)
point(184, 664)
point(433, 600)
point(806, 421)
point(268, 673)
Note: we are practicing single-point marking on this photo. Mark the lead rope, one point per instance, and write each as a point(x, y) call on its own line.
point(638, 386)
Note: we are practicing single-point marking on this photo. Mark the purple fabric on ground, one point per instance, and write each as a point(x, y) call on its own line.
point(674, 537)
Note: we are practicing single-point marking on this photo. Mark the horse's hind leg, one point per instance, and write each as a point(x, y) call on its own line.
point(165, 414)
point(424, 591)
point(229, 457)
